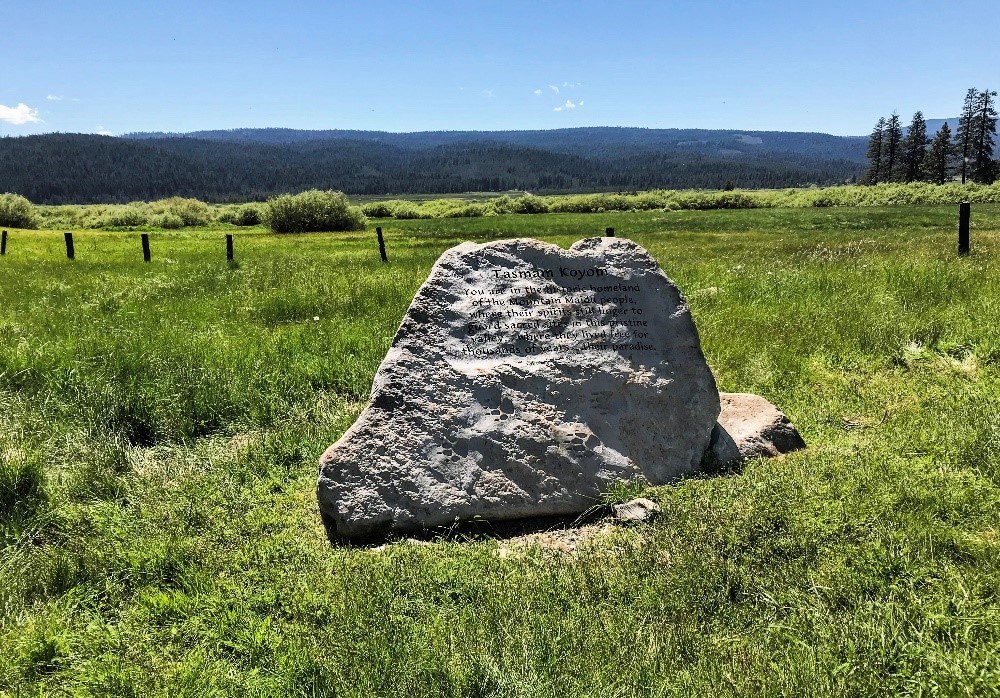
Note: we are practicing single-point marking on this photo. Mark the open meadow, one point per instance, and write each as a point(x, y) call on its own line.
point(162, 422)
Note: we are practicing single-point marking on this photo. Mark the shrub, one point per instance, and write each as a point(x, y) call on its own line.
point(228, 215)
point(312, 210)
point(529, 204)
point(17, 212)
point(248, 214)
point(650, 200)
point(404, 210)
point(467, 211)
point(377, 209)
point(167, 221)
point(734, 199)
point(499, 206)
point(191, 211)
point(125, 217)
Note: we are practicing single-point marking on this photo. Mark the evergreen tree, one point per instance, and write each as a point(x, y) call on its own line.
point(874, 153)
point(893, 147)
point(937, 163)
point(966, 127)
point(915, 148)
point(984, 135)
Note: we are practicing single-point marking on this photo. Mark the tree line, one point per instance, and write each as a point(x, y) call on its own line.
point(966, 154)
point(74, 168)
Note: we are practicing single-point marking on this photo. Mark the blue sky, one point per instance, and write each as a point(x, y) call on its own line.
point(832, 67)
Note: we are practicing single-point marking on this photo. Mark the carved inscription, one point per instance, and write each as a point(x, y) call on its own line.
point(522, 312)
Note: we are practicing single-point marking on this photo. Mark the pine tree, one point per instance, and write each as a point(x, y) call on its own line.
point(984, 135)
point(892, 147)
point(874, 153)
point(966, 127)
point(915, 148)
point(937, 164)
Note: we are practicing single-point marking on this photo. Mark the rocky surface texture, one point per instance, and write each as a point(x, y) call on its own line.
point(638, 510)
point(750, 426)
point(524, 380)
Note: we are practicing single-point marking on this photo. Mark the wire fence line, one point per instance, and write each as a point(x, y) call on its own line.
point(229, 239)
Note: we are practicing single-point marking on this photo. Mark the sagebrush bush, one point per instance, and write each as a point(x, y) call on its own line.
point(310, 211)
point(17, 212)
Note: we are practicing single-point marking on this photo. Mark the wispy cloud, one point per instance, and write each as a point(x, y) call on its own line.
point(21, 114)
point(572, 84)
point(554, 88)
point(569, 105)
point(538, 92)
point(101, 131)
point(54, 98)
point(488, 94)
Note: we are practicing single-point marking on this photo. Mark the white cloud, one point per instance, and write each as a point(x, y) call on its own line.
point(569, 105)
point(101, 131)
point(21, 114)
point(538, 92)
point(571, 84)
point(54, 98)
point(580, 104)
point(554, 88)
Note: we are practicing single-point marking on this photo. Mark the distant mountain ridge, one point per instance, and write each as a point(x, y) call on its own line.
point(252, 164)
point(587, 141)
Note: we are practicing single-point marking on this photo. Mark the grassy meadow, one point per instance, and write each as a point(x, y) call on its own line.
point(161, 425)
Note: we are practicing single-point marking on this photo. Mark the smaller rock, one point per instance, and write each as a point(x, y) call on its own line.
point(749, 427)
point(636, 510)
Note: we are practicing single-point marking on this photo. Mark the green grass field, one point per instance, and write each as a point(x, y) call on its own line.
point(161, 426)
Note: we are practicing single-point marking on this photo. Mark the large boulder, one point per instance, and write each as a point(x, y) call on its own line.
point(524, 381)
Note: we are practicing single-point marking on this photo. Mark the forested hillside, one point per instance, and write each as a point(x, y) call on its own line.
point(588, 141)
point(252, 164)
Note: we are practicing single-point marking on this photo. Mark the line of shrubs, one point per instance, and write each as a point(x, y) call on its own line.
point(897, 194)
point(316, 210)
point(309, 211)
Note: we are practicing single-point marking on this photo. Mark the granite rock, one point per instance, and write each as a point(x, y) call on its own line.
point(635, 510)
point(749, 427)
point(524, 380)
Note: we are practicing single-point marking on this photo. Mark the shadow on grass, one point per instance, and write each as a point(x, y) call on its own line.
point(479, 530)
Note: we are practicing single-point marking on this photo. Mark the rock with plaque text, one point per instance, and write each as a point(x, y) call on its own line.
point(524, 380)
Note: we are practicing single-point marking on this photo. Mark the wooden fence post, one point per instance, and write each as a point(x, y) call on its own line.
point(145, 247)
point(70, 252)
point(381, 245)
point(3, 243)
point(609, 232)
point(229, 247)
point(964, 209)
